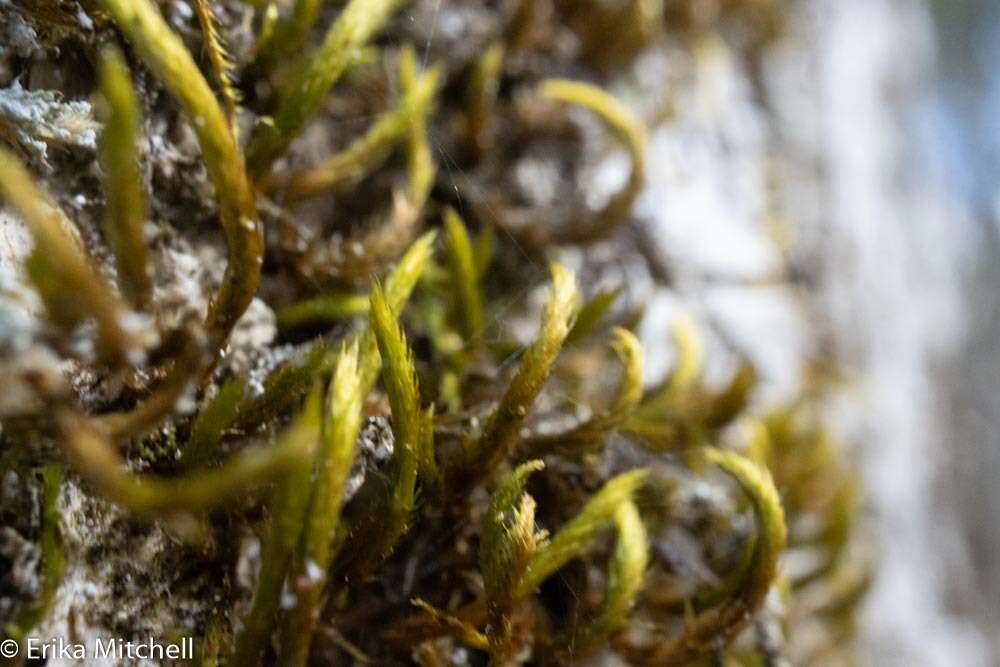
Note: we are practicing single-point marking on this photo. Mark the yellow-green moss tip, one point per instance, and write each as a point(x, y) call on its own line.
point(508, 542)
point(125, 214)
point(481, 456)
point(625, 578)
point(464, 277)
point(324, 309)
point(387, 521)
point(368, 151)
point(341, 424)
point(398, 287)
point(628, 129)
point(284, 35)
point(98, 462)
point(573, 537)
point(481, 97)
point(589, 435)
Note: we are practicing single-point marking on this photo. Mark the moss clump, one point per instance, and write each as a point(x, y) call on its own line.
point(486, 528)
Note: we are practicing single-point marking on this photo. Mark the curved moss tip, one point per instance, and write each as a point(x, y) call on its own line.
point(630, 354)
point(589, 435)
point(574, 536)
point(703, 633)
point(628, 129)
point(626, 572)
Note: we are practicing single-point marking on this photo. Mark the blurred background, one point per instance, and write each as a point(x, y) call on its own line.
point(935, 474)
point(966, 151)
point(881, 120)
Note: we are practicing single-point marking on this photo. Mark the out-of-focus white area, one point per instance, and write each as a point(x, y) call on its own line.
point(816, 204)
point(897, 241)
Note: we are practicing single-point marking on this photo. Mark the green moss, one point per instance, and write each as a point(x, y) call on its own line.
point(165, 53)
point(341, 422)
point(57, 262)
point(480, 456)
point(53, 562)
point(125, 215)
point(373, 538)
point(550, 558)
point(722, 622)
point(303, 96)
point(288, 507)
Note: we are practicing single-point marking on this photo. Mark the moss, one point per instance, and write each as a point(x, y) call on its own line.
point(364, 154)
point(480, 456)
point(523, 543)
point(289, 504)
point(315, 552)
point(166, 55)
point(389, 516)
point(302, 98)
point(53, 561)
point(126, 210)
